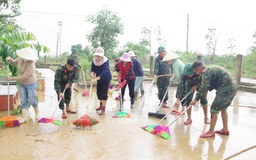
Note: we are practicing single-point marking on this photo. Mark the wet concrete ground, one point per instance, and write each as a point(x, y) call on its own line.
point(123, 138)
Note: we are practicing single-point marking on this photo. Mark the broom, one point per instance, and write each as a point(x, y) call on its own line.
point(86, 121)
point(9, 121)
point(157, 114)
point(51, 119)
point(164, 130)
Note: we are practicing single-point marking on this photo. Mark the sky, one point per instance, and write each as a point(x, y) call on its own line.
point(231, 19)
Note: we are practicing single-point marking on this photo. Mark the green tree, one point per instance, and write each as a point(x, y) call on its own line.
point(212, 43)
point(231, 45)
point(9, 5)
point(140, 49)
point(108, 25)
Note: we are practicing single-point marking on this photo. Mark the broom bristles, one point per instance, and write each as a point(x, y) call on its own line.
point(9, 121)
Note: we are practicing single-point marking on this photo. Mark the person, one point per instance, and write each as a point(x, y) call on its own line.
point(65, 76)
point(100, 72)
point(138, 71)
point(162, 68)
point(125, 69)
point(177, 67)
point(189, 82)
point(218, 78)
point(26, 79)
point(116, 60)
point(74, 56)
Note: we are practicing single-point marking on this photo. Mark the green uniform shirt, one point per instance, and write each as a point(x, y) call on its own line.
point(178, 68)
point(63, 76)
point(161, 67)
point(186, 83)
point(215, 77)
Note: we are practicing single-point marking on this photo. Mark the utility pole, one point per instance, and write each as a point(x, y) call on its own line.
point(58, 41)
point(60, 24)
point(57, 44)
point(187, 32)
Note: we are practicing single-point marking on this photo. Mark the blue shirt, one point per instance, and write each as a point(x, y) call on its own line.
point(137, 68)
point(102, 71)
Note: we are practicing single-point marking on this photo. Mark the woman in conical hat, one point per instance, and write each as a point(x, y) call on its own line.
point(27, 80)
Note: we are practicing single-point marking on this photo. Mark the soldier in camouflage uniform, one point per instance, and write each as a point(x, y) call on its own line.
point(161, 68)
point(216, 77)
point(189, 82)
point(74, 56)
point(64, 77)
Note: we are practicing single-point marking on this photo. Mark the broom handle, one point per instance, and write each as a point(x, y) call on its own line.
point(171, 109)
point(121, 100)
point(179, 115)
point(90, 92)
point(164, 75)
point(148, 91)
point(164, 96)
point(84, 79)
point(8, 89)
point(58, 103)
point(115, 85)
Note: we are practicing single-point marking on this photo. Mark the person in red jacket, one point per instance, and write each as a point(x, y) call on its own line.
point(125, 69)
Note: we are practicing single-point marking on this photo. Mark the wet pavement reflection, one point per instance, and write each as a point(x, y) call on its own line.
point(123, 138)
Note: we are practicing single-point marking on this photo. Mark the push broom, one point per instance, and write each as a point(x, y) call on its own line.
point(157, 114)
point(86, 121)
point(164, 130)
point(51, 119)
point(9, 121)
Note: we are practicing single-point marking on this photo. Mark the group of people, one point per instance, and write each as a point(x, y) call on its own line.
point(168, 68)
point(193, 77)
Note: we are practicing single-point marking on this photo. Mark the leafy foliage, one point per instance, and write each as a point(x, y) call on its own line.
point(108, 26)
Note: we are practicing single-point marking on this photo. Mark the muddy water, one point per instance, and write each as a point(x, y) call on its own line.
point(123, 138)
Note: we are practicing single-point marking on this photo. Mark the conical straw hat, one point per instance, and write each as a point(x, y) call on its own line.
point(27, 53)
point(170, 56)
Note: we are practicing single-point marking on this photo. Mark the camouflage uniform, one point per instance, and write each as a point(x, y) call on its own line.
point(62, 77)
point(186, 83)
point(161, 68)
point(216, 77)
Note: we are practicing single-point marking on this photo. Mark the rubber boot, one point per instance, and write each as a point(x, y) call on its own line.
point(36, 113)
point(103, 107)
point(132, 103)
point(99, 108)
point(25, 116)
point(135, 95)
point(142, 93)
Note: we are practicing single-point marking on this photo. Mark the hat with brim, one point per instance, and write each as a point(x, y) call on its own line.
point(125, 57)
point(99, 52)
point(114, 56)
point(27, 53)
point(73, 50)
point(170, 56)
point(161, 49)
point(131, 53)
point(188, 70)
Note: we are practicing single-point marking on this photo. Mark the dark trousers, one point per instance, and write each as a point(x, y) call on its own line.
point(102, 90)
point(67, 97)
point(131, 84)
point(162, 86)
